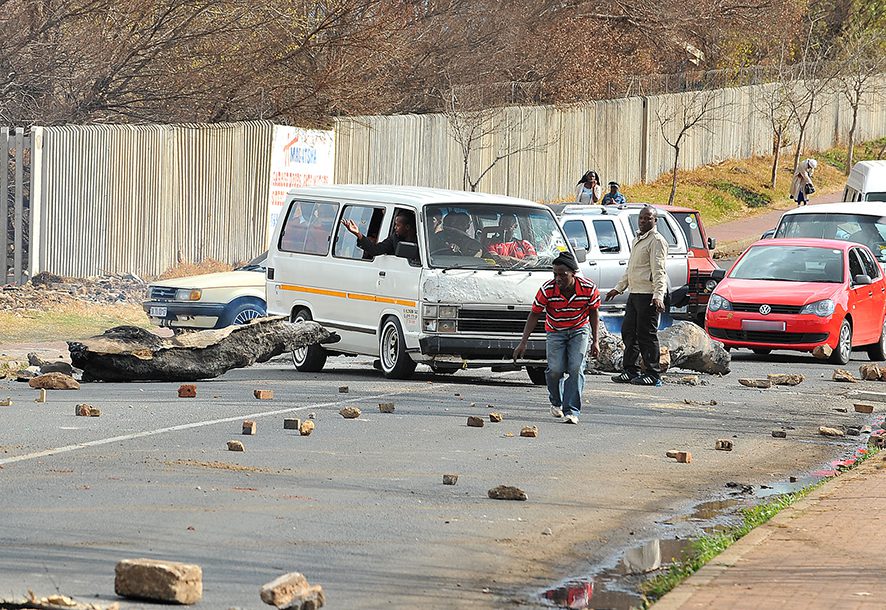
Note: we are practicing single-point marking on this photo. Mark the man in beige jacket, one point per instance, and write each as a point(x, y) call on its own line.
point(646, 279)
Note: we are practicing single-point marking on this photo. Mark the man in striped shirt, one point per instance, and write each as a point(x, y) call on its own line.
point(570, 305)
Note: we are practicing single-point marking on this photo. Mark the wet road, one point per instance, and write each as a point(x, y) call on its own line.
point(359, 506)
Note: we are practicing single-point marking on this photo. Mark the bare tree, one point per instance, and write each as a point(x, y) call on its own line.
point(773, 103)
point(476, 129)
point(679, 115)
point(861, 80)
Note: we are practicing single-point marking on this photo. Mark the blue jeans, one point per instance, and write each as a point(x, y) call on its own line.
point(566, 351)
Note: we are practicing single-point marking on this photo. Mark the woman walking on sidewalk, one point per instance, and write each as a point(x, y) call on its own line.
point(802, 185)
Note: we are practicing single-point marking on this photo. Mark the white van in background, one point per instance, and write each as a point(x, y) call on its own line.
point(453, 300)
point(859, 222)
point(866, 182)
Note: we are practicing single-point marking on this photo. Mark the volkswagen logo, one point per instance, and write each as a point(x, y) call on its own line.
point(765, 309)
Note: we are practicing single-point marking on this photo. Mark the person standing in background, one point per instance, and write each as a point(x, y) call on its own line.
point(802, 185)
point(588, 189)
point(614, 197)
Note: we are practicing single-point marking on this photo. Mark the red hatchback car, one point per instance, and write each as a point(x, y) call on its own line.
point(797, 294)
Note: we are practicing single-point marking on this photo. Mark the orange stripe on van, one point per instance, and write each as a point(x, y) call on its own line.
point(356, 296)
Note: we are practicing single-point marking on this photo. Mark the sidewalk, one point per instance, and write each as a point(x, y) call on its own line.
point(826, 551)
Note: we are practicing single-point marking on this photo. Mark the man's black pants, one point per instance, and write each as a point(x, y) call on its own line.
point(640, 335)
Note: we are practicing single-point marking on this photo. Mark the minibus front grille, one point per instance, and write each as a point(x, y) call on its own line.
point(495, 321)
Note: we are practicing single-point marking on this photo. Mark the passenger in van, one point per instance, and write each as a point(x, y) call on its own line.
point(454, 237)
point(436, 216)
point(404, 230)
point(802, 185)
point(509, 248)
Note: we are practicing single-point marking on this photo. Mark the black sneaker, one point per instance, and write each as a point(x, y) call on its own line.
point(623, 378)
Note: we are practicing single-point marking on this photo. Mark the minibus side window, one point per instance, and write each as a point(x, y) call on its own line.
point(368, 220)
point(308, 227)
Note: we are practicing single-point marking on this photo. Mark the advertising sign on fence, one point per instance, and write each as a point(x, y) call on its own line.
point(299, 157)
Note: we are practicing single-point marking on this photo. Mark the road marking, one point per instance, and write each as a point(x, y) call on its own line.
point(200, 424)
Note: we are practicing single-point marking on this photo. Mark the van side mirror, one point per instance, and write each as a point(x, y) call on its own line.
point(862, 280)
point(581, 255)
point(718, 274)
point(407, 249)
point(712, 243)
point(768, 234)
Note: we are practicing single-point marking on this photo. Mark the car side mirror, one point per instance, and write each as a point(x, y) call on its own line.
point(712, 243)
point(581, 255)
point(862, 280)
point(768, 234)
point(407, 249)
point(718, 274)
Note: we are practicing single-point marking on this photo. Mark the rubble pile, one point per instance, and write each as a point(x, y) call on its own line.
point(47, 291)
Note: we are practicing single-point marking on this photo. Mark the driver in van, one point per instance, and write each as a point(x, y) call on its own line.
point(454, 235)
point(404, 230)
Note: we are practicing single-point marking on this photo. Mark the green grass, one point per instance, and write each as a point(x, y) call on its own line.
point(708, 546)
point(865, 151)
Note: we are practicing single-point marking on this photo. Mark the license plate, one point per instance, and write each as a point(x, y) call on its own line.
point(157, 312)
point(683, 309)
point(770, 325)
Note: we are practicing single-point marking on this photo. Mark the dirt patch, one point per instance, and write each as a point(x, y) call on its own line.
point(220, 466)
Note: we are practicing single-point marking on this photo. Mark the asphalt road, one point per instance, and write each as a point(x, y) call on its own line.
point(359, 506)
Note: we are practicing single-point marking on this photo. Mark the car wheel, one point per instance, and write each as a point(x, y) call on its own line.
point(877, 351)
point(762, 352)
point(537, 375)
point(241, 312)
point(843, 351)
point(395, 362)
point(312, 358)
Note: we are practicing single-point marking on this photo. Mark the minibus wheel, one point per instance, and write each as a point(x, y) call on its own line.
point(395, 362)
point(308, 359)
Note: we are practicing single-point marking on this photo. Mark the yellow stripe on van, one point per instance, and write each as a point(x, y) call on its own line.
point(356, 296)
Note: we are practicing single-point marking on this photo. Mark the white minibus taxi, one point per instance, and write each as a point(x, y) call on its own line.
point(866, 182)
point(456, 298)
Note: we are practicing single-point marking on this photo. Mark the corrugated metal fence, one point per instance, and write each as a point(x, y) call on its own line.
point(621, 139)
point(15, 207)
point(133, 198)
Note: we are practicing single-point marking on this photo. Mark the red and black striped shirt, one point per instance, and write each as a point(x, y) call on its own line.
point(563, 313)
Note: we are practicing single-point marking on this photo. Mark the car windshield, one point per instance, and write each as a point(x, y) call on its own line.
point(875, 197)
point(492, 236)
point(689, 223)
point(790, 264)
point(858, 228)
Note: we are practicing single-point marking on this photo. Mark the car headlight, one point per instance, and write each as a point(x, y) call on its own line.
point(822, 309)
point(429, 311)
point(448, 311)
point(710, 285)
point(717, 303)
point(188, 294)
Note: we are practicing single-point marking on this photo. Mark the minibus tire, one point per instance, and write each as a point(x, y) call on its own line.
point(537, 375)
point(314, 356)
point(395, 361)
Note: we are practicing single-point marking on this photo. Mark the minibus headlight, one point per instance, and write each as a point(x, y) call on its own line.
point(446, 326)
point(430, 326)
point(448, 311)
point(429, 311)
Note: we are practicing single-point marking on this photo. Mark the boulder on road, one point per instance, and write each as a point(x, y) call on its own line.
point(507, 492)
point(130, 353)
point(54, 381)
point(292, 591)
point(162, 581)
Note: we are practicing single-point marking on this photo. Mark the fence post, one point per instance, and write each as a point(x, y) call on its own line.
point(4, 202)
point(17, 270)
point(644, 140)
point(35, 248)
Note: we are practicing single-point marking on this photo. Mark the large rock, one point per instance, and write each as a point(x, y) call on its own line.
point(130, 353)
point(54, 381)
point(292, 591)
point(686, 344)
point(162, 581)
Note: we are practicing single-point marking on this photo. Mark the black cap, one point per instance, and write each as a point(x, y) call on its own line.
point(615, 184)
point(567, 259)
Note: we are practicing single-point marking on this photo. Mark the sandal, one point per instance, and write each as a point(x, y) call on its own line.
point(647, 380)
point(623, 378)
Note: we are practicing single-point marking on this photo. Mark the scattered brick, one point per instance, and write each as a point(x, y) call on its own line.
point(862, 408)
point(683, 457)
point(41, 395)
point(291, 423)
point(475, 422)
point(827, 431)
point(844, 376)
point(507, 492)
point(495, 417)
point(263, 394)
point(84, 410)
point(249, 427)
point(293, 592)
point(785, 379)
point(723, 444)
point(349, 412)
point(870, 372)
point(236, 446)
point(822, 352)
point(386, 407)
point(450, 479)
point(306, 428)
point(162, 581)
point(187, 390)
point(529, 431)
point(755, 383)
point(672, 453)
point(779, 434)
point(343, 389)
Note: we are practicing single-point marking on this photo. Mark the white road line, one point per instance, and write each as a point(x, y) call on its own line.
point(200, 424)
